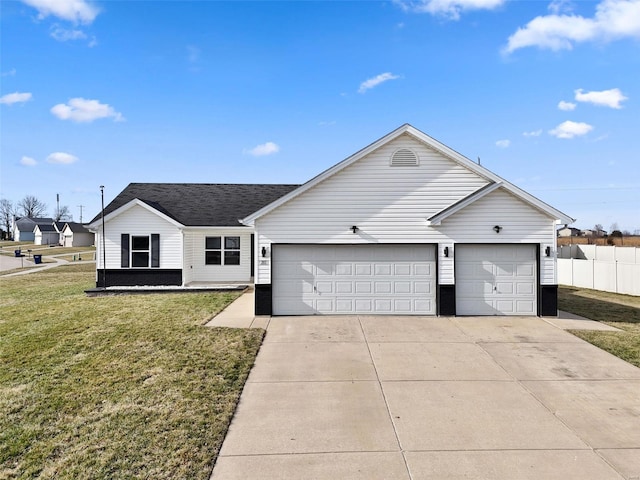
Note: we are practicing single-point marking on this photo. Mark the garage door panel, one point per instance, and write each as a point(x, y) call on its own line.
point(383, 287)
point(496, 279)
point(364, 305)
point(324, 287)
point(382, 269)
point(344, 269)
point(365, 279)
point(363, 269)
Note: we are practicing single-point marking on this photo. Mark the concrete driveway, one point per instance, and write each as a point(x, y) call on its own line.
point(432, 398)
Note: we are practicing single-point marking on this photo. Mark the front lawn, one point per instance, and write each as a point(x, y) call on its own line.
point(114, 387)
point(620, 311)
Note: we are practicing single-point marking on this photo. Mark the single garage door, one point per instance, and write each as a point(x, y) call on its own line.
point(353, 279)
point(495, 279)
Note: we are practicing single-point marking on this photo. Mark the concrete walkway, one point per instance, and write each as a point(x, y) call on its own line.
point(432, 398)
point(240, 314)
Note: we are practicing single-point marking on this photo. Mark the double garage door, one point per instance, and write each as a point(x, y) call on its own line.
point(354, 279)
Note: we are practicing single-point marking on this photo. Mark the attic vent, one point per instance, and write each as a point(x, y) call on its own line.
point(404, 158)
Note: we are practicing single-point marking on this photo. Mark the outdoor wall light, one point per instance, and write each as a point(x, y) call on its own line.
point(446, 251)
point(547, 251)
point(264, 252)
point(497, 228)
point(354, 229)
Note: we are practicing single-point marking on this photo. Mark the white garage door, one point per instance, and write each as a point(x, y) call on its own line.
point(354, 279)
point(495, 279)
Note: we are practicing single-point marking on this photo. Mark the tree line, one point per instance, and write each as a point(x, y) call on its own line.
point(29, 206)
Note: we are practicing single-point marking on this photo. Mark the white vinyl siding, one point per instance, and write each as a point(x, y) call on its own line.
point(194, 256)
point(354, 279)
point(519, 222)
point(387, 204)
point(136, 221)
point(392, 205)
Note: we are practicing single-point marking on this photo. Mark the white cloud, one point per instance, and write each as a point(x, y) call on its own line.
point(534, 133)
point(83, 110)
point(613, 19)
point(17, 97)
point(10, 73)
point(503, 143)
point(566, 106)
point(377, 80)
point(571, 129)
point(61, 158)
point(268, 148)
point(560, 6)
point(605, 98)
point(450, 9)
point(63, 34)
point(28, 161)
point(77, 11)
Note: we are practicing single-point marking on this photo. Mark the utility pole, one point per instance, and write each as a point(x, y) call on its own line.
point(81, 207)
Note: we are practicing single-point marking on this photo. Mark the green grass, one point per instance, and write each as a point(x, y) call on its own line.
point(620, 311)
point(114, 387)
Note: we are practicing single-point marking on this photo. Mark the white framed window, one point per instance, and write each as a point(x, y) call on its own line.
point(222, 250)
point(140, 251)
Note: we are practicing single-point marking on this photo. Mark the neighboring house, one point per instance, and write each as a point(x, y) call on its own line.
point(46, 234)
point(23, 228)
point(404, 226)
point(594, 233)
point(179, 234)
point(569, 232)
point(76, 235)
point(59, 226)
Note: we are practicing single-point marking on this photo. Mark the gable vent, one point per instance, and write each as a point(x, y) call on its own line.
point(404, 158)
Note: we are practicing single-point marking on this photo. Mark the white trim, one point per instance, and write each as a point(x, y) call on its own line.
point(135, 202)
point(465, 202)
point(434, 144)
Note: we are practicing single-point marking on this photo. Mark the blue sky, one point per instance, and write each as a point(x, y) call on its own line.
point(111, 92)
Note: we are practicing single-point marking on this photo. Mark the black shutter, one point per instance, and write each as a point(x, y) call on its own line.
point(124, 250)
point(155, 250)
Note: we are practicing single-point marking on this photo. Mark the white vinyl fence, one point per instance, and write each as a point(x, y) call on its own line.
point(610, 269)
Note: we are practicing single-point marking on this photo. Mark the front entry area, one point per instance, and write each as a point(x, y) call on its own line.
point(496, 279)
point(354, 279)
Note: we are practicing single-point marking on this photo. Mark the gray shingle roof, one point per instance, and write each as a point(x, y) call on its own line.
point(76, 227)
point(201, 204)
point(27, 224)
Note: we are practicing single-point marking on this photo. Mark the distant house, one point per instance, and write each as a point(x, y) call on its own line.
point(76, 235)
point(59, 226)
point(594, 233)
point(569, 232)
point(45, 234)
point(23, 228)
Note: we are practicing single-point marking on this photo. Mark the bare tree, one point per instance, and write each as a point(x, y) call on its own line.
point(30, 206)
point(6, 215)
point(63, 214)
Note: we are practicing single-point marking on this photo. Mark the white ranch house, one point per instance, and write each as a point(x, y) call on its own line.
point(404, 226)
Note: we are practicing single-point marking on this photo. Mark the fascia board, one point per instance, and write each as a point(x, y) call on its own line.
point(129, 205)
point(460, 204)
point(249, 220)
point(480, 170)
